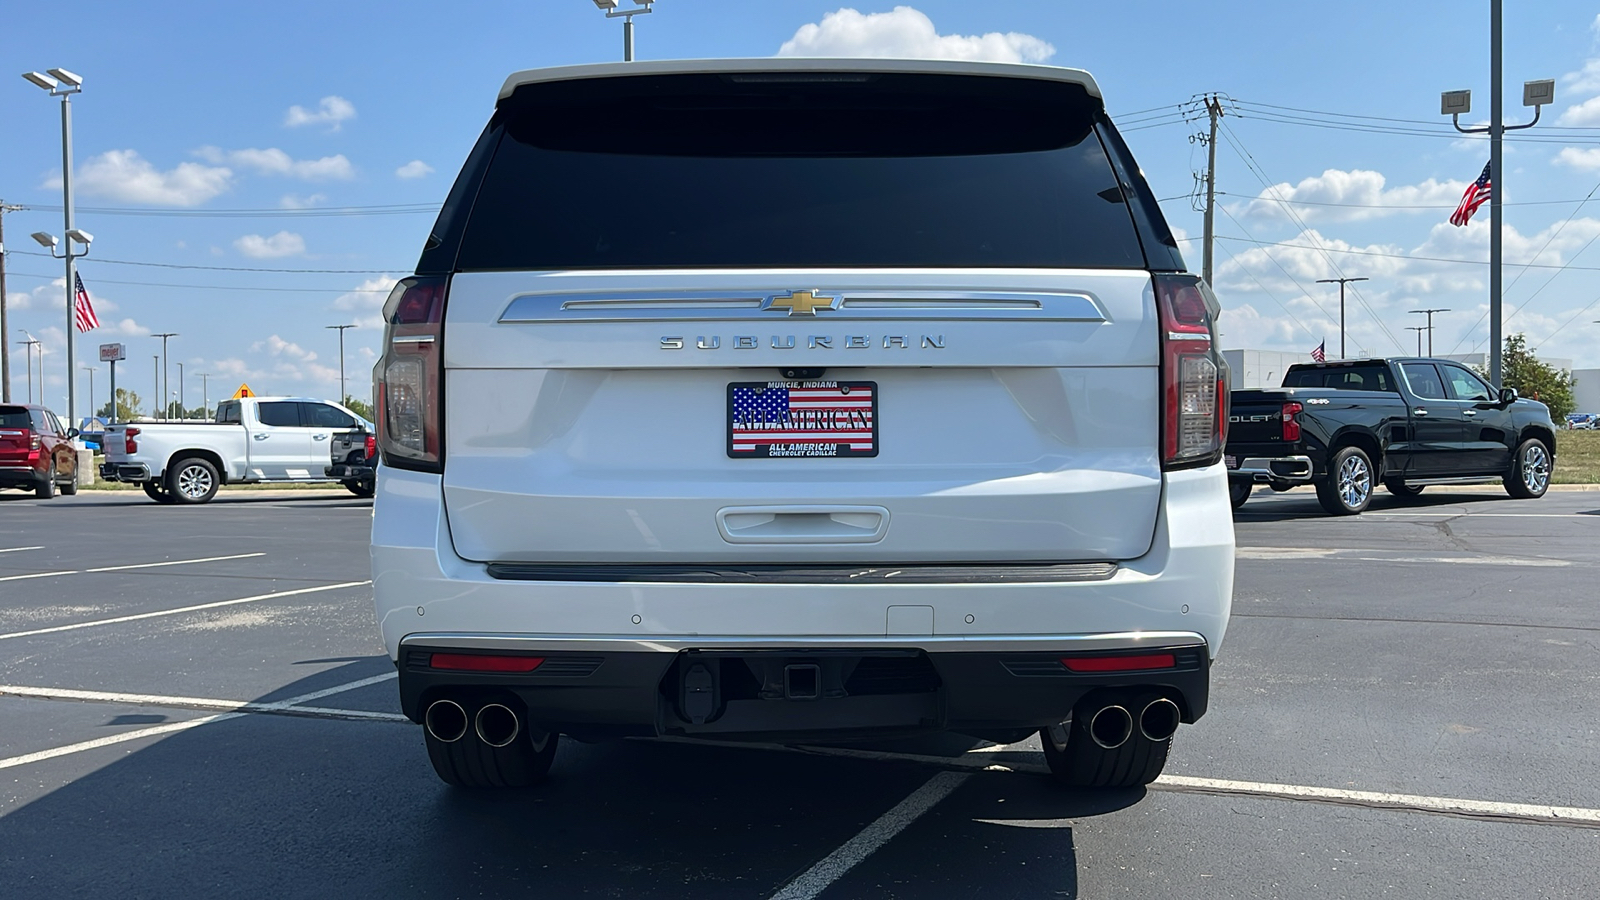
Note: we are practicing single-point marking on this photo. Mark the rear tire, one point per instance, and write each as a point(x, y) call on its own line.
point(1346, 489)
point(69, 488)
point(470, 763)
point(361, 488)
point(192, 480)
point(1400, 489)
point(1239, 492)
point(156, 492)
point(1531, 467)
point(46, 490)
point(1080, 762)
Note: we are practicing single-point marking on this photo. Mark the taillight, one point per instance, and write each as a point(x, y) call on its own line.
point(129, 445)
point(1291, 425)
point(1194, 388)
point(34, 441)
point(1120, 663)
point(409, 376)
point(372, 446)
point(472, 662)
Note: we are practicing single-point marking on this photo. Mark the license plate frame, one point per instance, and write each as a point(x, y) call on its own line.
point(758, 426)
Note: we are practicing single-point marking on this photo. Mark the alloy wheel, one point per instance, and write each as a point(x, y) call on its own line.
point(1355, 482)
point(194, 482)
point(1535, 467)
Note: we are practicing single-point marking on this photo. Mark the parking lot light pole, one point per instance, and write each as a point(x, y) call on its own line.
point(1429, 313)
point(156, 400)
point(1453, 104)
point(90, 370)
point(341, 329)
point(183, 410)
point(1342, 282)
point(62, 83)
point(205, 395)
point(162, 384)
point(609, 7)
point(1419, 330)
point(30, 343)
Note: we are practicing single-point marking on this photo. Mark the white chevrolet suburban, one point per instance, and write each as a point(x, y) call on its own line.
point(801, 400)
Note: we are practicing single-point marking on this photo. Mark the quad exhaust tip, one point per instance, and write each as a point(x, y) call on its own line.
point(446, 721)
point(1111, 726)
point(497, 724)
point(1159, 719)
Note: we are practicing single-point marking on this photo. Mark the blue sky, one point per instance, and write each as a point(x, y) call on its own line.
point(299, 111)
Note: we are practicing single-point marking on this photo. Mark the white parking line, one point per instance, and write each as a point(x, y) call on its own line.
point(170, 727)
point(832, 867)
point(174, 562)
point(183, 609)
point(18, 549)
point(46, 693)
point(170, 562)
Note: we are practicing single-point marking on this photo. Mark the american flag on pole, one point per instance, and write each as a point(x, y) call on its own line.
point(802, 418)
point(1320, 353)
point(82, 309)
point(1476, 195)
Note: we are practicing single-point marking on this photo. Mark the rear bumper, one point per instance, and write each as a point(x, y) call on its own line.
point(1263, 469)
point(348, 472)
point(600, 687)
point(14, 475)
point(125, 472)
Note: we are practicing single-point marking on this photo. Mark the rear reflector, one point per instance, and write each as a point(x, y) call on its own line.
point(472, 662)
point(1119, 663)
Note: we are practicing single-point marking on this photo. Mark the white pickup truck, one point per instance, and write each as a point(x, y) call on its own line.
point(252, 439)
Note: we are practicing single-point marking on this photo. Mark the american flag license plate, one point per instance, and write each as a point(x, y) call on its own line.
point(778, 419)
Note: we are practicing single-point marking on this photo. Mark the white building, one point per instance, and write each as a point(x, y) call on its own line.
point(1481, 361)
point(1261, 368)
point(1586, 390)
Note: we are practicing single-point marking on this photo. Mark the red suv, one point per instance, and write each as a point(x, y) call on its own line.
point(36, 453)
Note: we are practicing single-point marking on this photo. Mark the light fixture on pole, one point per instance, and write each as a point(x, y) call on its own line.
point(1342, 282)
point(205, 395)
point(341, 328)
point(1453, 104)
point(162, 384)
point(1419, 330)
point(1429, 313)
point(62, 83)
point(609, 7)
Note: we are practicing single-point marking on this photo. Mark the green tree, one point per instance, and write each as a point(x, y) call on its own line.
point(1536, 380)
point(359, 407)
point(128, 406)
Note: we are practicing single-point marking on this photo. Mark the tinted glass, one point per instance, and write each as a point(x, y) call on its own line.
point(40, 423)
point(14, 417)
point(282, 413)
point(228, 412)
point(321, 415)
point(1344, 378)
point(1424, 380)
point(882, 170)
point(1464, 385)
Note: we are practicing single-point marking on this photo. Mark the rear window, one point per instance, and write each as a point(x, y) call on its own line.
point(14, 417)
point(798, 170)
point(1344, 378)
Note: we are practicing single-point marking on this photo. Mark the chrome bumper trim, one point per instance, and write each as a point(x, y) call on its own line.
point(1261, 469)
point(981, 643)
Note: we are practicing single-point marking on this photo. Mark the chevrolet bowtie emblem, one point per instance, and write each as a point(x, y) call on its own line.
point(800, 303)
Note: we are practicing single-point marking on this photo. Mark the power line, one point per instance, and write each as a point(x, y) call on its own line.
point(129, 262)
point(1391, 205)
point(216, 287)
point(1270, 295)
point(1286, 273)
point(397, 209)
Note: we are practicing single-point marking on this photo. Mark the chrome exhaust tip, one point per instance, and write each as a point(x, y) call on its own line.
point(497, 724)
point(1159, 719)
point(1111, 726)
point(446, 721)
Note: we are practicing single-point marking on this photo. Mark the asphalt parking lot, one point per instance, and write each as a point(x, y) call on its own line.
point(195, 703)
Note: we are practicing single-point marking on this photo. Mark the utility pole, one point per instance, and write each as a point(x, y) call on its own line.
point(162, 384)
point(1214, 109)
point(341, 328)
point(5, 348)
point(1341, 282)
point(1429, 313)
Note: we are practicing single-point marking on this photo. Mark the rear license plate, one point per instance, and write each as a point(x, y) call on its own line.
point(1232, 462)
point(771, 419)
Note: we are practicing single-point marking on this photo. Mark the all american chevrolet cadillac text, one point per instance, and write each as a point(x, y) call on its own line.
point(876, 400)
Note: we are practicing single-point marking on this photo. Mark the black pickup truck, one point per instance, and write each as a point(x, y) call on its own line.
point(1406, 423)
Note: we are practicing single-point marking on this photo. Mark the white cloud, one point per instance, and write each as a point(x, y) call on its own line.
point(907, 33)
point(125, 175)
point(1584, 114)
point(1584, 160)
point(284, 243)
point(273, 161)
point(291, 201)
point(331, 111)
point(126, 327)
point(1359, 194)
point(414, 169)
point(365, 301)
point(277, 346)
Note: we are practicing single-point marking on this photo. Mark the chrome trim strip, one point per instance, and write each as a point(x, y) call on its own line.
point(723, 574)
point(412, 339)
point(855, 305)
point(1464, 479)
point(983, 643)
point(1260, 468)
